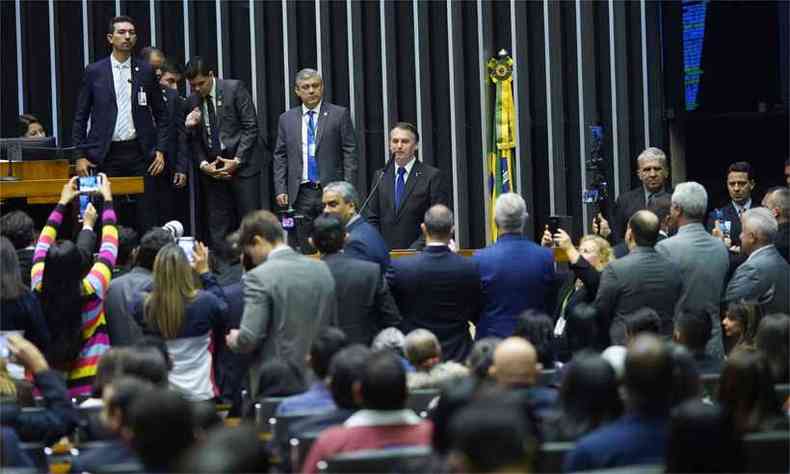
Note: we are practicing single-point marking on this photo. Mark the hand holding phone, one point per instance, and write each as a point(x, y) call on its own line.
point(187, 244)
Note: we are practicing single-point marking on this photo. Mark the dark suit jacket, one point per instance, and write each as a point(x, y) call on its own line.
point(365, 243)
point(516, 274)
point(727, 213)
point(335, 149)
point(238, 127)
point(626, 205)
point(764, 277)
point(364, 303)
point(440, 291)
point(177, 155)
point(97, 102)
point(643, 278)
point(424, 188)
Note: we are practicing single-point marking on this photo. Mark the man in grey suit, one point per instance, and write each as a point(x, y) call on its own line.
point(364, 303)
point(287, 297)
point(315, 146)
point(643, 278)
point(764, 276)
point(222, 128)
point(702, 259)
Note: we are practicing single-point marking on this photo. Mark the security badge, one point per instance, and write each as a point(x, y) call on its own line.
point(142, 98)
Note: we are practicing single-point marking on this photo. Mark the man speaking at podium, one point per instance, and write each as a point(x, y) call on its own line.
point(120, 95)
point(405, 189)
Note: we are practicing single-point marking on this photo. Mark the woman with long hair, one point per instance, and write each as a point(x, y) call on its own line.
point(740, 324)
point(19, 307)
point(73, 306)
point(184, 315)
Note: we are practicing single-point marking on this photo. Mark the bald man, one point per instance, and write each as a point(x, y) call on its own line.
point(643, 278)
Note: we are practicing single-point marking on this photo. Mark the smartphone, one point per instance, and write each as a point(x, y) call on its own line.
point(89, 184)
point(288, 219)
point(554, 224)
point(85, 199)
point(187, 244)
point(4, 350)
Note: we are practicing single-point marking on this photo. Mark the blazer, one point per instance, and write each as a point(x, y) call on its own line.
point(335, 149)
point(438, 290)
point(177, 155)
point(123, 292)
point(626, 205)
point(364, 302)
point(97, 103)
point(238, 127)
point(765, 277)
point(641, 278)
point(516, 275)
point(703, 262)
point(364, 242)
point(424, 188)
point(727, 213)
point(287, 299)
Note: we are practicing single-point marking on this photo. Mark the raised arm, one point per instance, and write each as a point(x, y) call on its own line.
point(101, 272)
point(50, 232)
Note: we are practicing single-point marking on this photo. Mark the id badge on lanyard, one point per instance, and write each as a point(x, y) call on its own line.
point(142, 98)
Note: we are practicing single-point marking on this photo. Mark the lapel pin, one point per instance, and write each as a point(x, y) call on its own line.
point(136, 68)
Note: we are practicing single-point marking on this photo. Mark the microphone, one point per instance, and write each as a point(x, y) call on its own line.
point(376, 185)
point(175, 228)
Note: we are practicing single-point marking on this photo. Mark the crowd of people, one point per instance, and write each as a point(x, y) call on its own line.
point(664, 340)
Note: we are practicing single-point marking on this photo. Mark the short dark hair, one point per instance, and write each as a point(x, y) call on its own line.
point(120, 19)
point(644, 227)
point(24, 122)
point(17, 227)
point(384, 382)
point(228, 450)
point(172, 67)
point(263, 224)
point(329, 233)
point(157, 343)
point(150, 245)
point(703, 439)
point(197, 66)
point(149, 51)
point(648, 373)
point(125, 391)
point(346, 368)
point(695, 329)
point(326, 344)
point(438, 221)
point(741, 167)
point(537, 328)
point(163, 427)
point(128, 239)
point(409, 127)
point(644, 319)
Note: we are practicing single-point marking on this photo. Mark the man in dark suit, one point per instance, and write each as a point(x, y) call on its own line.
point(652, 172)
point(408, 188)
point(777, 200)
point(365, 305)
point(642, 278)
point(223, 131)
point(516, 273)
point(725, 222)
point(129, 124)
point(364, 242)
point(316, 145)
point(438, 290)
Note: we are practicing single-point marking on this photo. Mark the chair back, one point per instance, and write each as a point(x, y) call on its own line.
point(767, 452)
point(264, 411)
point(300, 447)
point(552, 456)
point(419, 400)
point(378, 461)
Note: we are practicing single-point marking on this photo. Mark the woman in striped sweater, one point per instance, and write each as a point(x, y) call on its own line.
point(73, 304)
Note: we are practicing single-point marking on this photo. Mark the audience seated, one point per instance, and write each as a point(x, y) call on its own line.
point(230, 450)
point(626, 328)
point(773, 340)
point(72, 303)
point(538, 329)
point(425, 354)
point(693, 331)
point(588, 399)
point(516, 273)
point(740, 324)
point(481, 358)
point(363, 296)
point(125, 290)
point(384, 420)
point(17, 227)
point(317, 398)
point(128, 241)
point(777, 200)
point(392, 339)
point(639, 436)
point(702, 439)
point(641, 278)
point(686, 381)
point(143, 363)
point(280, 378)
point(746, 392)
point(19, 307)
point(184, 316)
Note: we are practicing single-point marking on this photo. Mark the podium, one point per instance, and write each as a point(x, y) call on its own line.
point(41, 181)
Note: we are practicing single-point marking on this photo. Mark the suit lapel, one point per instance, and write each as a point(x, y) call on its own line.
point(387, 193)
point(414, 176)
point(111, 81)
point(297, 125)
point(323, 116)
point(220, 102)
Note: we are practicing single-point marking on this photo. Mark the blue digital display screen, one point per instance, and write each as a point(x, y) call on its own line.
point(693, 40)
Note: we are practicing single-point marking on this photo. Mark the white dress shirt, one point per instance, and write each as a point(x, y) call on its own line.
point(305, 120)
point(122, 81)
point(408, 167)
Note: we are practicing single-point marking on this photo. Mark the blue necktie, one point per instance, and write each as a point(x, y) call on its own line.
point(312, 164)
point(400, 187)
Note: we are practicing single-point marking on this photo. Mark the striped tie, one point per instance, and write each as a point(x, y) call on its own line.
point(312, 164)
point(123, 93)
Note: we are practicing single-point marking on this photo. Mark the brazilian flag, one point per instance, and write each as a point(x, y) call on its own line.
point(503, 138)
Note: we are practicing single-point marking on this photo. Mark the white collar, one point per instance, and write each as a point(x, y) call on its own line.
point(115, 63)
point(315, 109)
point(353, 219)
point(214, 89)
point(383, 418)
point(408, 166)
point(746, 206)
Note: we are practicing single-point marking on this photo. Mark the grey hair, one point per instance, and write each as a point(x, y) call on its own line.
point(346, 190)
point(307, 73)
point(762, 222)
point(510, 213)
point(652, 153)
point(692, 199)
point(779, 198)
point(389, 338)
point(438, 220)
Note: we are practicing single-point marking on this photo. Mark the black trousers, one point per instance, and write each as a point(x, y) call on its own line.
point(308, 205)
point(227, 202)
point(128, 159)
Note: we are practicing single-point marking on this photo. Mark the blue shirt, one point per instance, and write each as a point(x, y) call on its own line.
point(316, 400)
